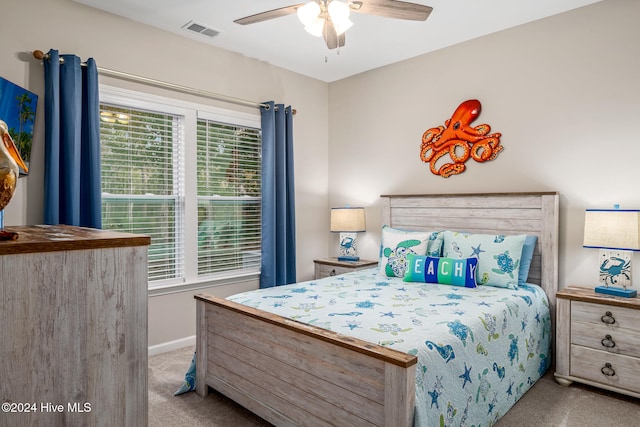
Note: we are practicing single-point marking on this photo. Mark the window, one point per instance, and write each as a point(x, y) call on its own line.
point(229, 185)
point(187, 175)
point(141, 182)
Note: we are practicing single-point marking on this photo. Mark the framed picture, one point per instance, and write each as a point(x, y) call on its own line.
point(18, 111)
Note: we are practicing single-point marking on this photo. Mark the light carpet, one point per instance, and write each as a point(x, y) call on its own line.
point(546, 404)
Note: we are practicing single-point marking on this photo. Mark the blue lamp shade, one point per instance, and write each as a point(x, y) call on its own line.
point(616, 232)
point(348, 222)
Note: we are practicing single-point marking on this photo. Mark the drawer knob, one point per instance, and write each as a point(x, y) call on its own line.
point(608, 318)
point(608, 370)
point(333, 272)
point(608, 342)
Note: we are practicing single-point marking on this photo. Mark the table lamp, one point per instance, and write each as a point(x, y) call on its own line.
point(348, 222)
point(616, 232)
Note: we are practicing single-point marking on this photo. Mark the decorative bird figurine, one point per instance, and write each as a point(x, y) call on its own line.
point(10, 159)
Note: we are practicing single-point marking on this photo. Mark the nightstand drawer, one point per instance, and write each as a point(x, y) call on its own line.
point(332, 266)
point(605, 327)
point(592, 365)
point(331, 270)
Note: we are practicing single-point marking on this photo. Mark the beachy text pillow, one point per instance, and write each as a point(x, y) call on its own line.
point(444, 271)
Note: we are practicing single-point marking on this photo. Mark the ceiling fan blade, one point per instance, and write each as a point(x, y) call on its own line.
point(270, 14)
point(330, 37)
point(393, 9)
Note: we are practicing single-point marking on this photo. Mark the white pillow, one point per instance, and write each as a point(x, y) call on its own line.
point(498, 256)
point(396, 244)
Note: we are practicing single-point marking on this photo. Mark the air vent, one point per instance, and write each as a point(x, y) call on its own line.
point(200, 29)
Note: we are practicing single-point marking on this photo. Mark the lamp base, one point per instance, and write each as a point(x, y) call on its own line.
point(348, 250)
point(348, 258)
point(618, 292)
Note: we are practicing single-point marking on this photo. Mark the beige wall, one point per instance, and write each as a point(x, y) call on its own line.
point(563, 91)
point(122, 45)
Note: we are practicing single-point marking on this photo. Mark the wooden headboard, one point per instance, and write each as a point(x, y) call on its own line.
point(490, 213)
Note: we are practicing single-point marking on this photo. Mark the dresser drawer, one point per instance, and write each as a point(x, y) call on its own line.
point(589, 364)
point(605, 327)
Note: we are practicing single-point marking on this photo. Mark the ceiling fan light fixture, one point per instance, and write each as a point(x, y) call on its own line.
point(342, 26)
point(308, 13)
point(338, 11)
point(316, 27)
point(329, 19)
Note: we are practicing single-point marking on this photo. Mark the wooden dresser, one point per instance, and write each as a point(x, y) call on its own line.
point(73, 328)
point(598, 340)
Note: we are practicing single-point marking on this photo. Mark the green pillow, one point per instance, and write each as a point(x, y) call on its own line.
point(498, 255)
point(444, 271)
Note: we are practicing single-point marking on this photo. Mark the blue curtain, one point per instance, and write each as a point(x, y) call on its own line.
point(278, 202)
point(72, 142)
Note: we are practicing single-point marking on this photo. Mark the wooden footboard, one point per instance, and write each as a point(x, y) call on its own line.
point(293, 374)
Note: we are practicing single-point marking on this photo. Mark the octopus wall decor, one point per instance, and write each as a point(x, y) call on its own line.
point(460, 141)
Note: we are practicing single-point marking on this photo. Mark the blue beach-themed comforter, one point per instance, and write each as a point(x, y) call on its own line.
point(479, 350)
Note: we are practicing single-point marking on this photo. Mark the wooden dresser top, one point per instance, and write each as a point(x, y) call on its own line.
point(50, 238)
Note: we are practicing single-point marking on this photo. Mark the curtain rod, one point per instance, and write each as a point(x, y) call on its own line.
point(39, 55)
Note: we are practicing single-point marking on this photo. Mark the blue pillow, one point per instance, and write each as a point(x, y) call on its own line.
point(525, 260)
point(444, 271)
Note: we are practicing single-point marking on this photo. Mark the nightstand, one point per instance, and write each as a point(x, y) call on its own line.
point(331, 266)
point(598, 340)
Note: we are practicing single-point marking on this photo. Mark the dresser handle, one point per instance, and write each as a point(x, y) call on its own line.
point(333, 272)
point(608, 342)
point(608, 370)
point(608, 318)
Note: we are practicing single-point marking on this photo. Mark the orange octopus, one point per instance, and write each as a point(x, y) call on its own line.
point(461, 141)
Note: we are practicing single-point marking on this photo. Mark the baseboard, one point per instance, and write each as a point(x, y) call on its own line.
point(166, 347)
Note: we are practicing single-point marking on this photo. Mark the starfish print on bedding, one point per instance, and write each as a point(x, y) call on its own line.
point(352, 325)
point(466, 376)
point(434, 398)
point(476, 251)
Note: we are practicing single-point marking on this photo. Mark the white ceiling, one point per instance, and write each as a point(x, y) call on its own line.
point(372, 41)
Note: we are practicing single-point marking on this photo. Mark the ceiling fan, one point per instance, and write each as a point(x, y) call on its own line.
point(330, 18)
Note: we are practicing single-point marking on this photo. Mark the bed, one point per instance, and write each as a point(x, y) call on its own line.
point(311, 368)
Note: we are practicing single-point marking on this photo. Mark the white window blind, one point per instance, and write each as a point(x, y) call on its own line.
point(142, 182)
point(229, 197)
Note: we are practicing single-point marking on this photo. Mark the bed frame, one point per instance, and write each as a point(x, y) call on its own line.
point(293, 374)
